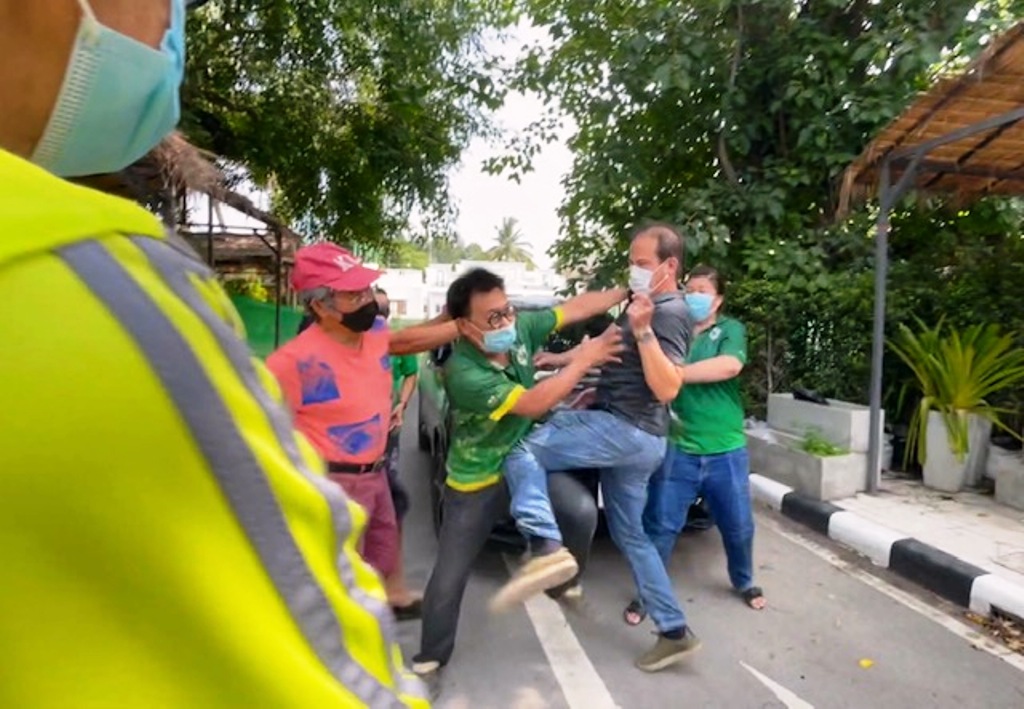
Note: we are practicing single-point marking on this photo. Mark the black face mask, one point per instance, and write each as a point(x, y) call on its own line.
point(361, 320)
point(385, 312)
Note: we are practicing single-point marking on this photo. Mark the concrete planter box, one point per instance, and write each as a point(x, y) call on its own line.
point(1007, 469)
point(842, 423)
point(822, 478)
point(942, 471)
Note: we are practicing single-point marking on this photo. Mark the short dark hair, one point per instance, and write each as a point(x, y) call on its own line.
point(712, 274)
point(477, 280)
point(670, 242)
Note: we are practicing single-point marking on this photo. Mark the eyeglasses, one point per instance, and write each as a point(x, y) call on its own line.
point(354, 298)
point(497, 318)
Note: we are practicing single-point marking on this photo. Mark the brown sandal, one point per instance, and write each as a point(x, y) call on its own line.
point(634, 614)
point(751, 595)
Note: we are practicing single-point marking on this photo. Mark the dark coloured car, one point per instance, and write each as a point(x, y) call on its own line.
point(434, 421)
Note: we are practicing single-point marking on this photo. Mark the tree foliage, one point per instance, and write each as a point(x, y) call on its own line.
point(510, 244)
point(729, 117)
point(350, 112)
point(735, 120)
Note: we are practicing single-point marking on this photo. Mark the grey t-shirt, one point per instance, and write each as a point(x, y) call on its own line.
point(622, 388)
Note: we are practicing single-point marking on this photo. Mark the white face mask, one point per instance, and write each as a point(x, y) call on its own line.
point(640, 280)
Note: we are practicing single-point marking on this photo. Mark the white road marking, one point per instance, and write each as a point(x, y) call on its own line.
point(581, 685)
point(790, 699)
point(976, 639)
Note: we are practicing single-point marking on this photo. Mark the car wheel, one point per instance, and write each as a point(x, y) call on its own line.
point(424, 435)
point(438, 474)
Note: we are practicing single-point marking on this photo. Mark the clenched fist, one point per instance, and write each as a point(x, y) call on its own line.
point(640, 312)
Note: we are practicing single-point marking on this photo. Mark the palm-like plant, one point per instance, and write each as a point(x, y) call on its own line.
point(510, 246)
point(956, 374)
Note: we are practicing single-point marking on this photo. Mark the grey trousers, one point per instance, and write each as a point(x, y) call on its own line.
point(468, 520)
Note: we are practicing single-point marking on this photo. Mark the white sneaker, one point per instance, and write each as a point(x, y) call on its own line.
point(538, 574)
point(425, 668)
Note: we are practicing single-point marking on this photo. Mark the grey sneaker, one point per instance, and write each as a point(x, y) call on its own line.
point(429, 673)
point(538, 574)
point(667, 651)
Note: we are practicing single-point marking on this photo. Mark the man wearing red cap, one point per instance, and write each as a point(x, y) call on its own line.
point(336, 378)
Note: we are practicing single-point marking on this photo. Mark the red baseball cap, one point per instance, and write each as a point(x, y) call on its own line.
point(327, 265)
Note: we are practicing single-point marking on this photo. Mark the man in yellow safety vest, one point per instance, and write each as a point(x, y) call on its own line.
point(166, 538)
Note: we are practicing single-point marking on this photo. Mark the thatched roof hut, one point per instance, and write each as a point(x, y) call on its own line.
point(963, 137)
point(164, 178)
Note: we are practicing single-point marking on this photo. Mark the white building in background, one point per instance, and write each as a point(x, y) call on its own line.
point(406, 292)
point(417, 294)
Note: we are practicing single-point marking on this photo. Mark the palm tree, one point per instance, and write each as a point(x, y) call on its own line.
point(510, 246)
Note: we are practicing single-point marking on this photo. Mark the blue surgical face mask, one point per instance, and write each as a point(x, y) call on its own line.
point(700, 305)
point(119, 98)
point(500, 341)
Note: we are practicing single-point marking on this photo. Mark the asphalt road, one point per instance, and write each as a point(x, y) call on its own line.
point(832, 635)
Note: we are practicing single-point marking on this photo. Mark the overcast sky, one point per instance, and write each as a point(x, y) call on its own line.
point(484, 200)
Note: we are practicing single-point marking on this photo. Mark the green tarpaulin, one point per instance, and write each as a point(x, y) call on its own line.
point(259, 323)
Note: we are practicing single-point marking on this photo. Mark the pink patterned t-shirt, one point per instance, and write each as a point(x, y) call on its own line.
point(340, 396)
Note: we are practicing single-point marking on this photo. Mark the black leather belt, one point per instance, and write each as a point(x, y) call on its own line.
point(355, 468)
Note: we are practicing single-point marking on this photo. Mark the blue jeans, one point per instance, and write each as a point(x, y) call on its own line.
point(627, 457)
point(724, 481)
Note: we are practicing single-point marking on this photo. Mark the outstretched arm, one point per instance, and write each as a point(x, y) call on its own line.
point(587, 305)
point(423, 337)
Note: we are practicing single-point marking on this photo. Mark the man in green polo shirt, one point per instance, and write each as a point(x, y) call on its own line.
point(489, 378)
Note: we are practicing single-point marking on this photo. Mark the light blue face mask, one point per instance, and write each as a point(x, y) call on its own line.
point(119, 98)
point(700, 305)
point(500, 341)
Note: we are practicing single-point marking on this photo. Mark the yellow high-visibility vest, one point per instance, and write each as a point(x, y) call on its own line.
point(166, 538)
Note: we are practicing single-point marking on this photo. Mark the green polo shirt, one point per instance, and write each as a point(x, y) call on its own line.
point(709, 417)
point(481, 394)
point(402, 366)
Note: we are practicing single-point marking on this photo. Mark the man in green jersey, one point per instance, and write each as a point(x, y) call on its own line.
point(489, 378)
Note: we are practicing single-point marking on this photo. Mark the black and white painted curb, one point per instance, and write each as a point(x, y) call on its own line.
point(942, 573)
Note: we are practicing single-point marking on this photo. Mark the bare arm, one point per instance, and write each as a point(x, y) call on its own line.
point(716, 369)
point(587, 305)
point(663, 376)
point(540, 399)
point(422, 338)
point(555, 360)
point(408, 387)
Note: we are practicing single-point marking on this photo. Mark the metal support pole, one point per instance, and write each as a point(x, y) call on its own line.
point(209, 230)
point(874, 463)
point(277, 287)
point(170, 207)
point(888, 194)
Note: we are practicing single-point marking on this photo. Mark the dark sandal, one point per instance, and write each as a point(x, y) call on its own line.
point(634, 614)
point(412, 611)
point(751, 595)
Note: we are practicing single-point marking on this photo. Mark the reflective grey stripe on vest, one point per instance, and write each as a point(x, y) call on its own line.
point(174, 266)
point(237, 471)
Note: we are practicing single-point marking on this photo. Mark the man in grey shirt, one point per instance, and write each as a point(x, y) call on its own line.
point(624, 435)
point(623, 388)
